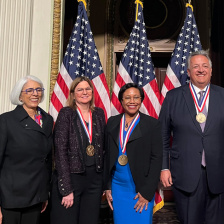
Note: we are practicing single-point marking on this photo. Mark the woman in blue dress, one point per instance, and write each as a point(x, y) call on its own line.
point(133, 159)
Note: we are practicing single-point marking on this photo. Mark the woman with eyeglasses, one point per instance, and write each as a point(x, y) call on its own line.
point(133, 159)
point(25, 155)
point(79, 157)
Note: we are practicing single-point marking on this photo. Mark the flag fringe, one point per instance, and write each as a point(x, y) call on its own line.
point(158, 206)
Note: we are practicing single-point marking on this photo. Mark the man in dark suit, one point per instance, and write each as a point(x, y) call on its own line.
point(194, 164)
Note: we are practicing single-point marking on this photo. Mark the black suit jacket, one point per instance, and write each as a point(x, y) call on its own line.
point(70, 140)
point(178, 115)
point(144, 151)
point(25, 158)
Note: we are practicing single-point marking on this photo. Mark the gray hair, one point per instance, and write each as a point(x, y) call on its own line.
point(201, 52)
point(16, 91)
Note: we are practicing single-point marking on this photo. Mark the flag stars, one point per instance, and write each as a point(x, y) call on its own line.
point(142, 60)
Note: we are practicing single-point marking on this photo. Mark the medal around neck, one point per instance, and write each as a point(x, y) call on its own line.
point(201, 118)
point(90, 151)
point(123, 160)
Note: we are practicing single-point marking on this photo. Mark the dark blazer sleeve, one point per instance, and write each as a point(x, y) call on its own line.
point(3, 141)
point(165, 121)
point(153, 167)
point(61, 144)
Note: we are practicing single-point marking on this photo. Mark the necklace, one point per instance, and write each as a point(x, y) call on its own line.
point(126, 123)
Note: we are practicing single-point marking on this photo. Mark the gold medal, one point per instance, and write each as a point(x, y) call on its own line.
point(90, 151)
point(201, 118)
point(123, 160)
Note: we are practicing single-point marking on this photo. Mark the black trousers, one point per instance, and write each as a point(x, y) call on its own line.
point(87, 198)
point(29, 215)
point(200, 206)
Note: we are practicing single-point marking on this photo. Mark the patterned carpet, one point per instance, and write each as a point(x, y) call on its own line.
point(166, 215)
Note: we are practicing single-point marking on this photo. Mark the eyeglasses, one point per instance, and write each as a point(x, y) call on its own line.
point(81, 90)
point(135, 98)
point(30, 91)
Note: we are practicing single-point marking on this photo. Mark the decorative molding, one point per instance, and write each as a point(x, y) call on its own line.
point(109, 43)
point(56, 43)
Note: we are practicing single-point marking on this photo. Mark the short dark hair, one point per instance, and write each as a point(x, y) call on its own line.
point(127, 86)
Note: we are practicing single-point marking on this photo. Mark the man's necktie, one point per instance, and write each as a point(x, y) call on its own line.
point(204, 111)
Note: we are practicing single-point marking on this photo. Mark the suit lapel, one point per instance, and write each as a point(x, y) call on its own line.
point(212, 107)
point(136, 132)
point(47, 124)
point(115, 130)
point(191, 106)
point(28, 123)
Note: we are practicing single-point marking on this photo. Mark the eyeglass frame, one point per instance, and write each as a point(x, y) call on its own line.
point(81, 90)
point(135, 99)
point(30, 93)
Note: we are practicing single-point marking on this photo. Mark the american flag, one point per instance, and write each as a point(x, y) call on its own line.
point(136, 66)
point(187, 42)
point(81, 59)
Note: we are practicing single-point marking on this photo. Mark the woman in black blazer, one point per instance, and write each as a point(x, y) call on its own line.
point(25, 155)
point(79, 156)
point(133, 159)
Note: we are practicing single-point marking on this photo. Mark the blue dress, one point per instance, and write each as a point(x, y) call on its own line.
point(123, 193)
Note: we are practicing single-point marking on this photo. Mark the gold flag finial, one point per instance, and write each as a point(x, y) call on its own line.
point(138, 2)
point(189, 5)
point(84, 2)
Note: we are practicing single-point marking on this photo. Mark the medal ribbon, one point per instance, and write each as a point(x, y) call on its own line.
point(123, 144)
point(88, 130)
point(200, 106)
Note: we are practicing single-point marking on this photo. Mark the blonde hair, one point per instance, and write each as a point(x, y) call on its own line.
point(71, 101)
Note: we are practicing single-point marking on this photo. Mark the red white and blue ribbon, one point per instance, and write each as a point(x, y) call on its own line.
point(122, 126)
point(88, 129)
point(200, 105)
